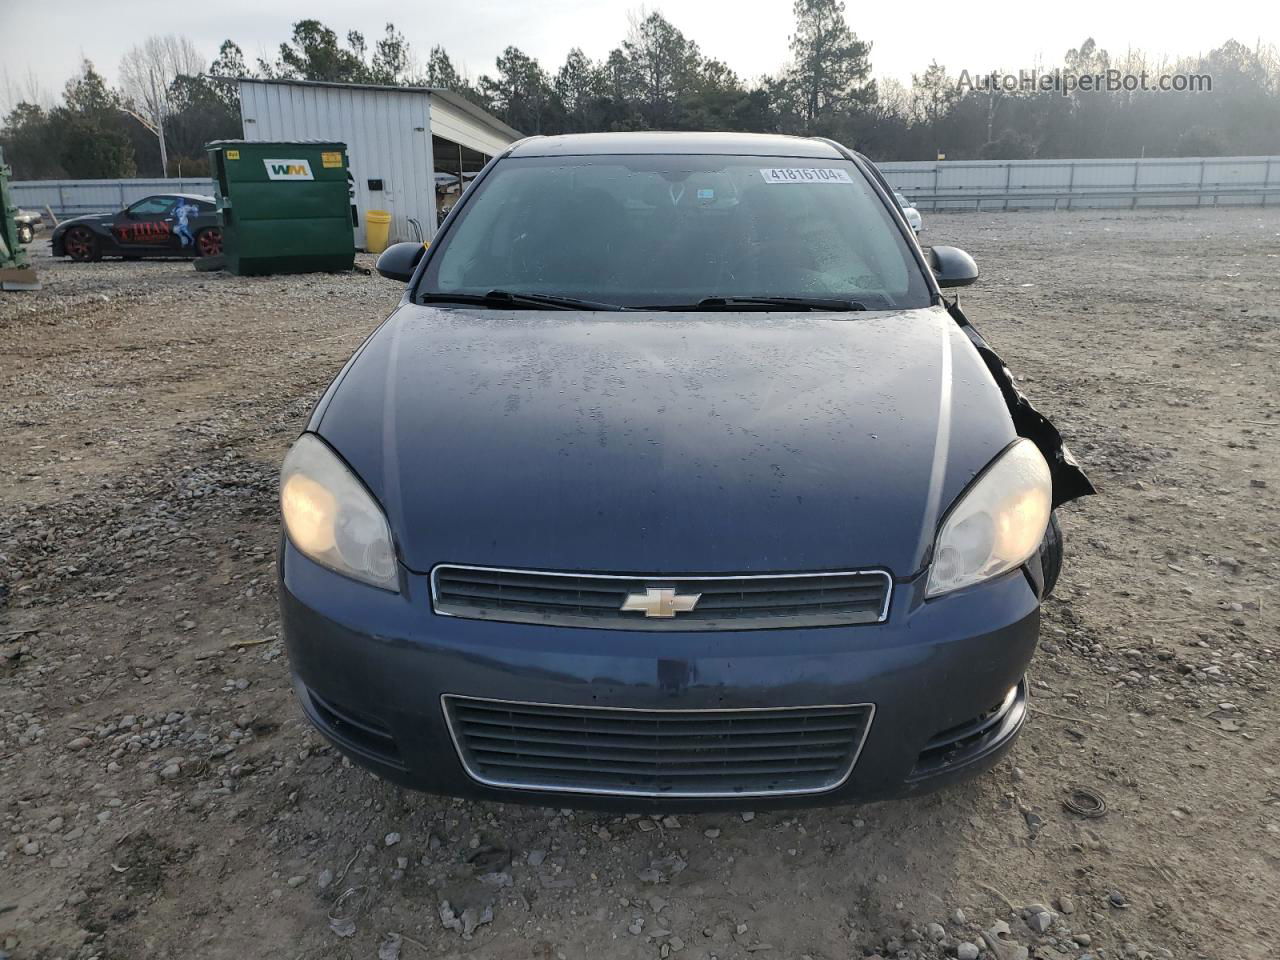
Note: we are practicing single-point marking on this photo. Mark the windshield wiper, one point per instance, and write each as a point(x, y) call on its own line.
point(527, 301)
point(789, 303)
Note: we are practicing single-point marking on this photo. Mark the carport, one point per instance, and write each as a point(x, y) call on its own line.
point(411, 149)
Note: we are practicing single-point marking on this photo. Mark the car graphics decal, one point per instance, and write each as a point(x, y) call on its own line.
point(183, 212)
point(144, 231)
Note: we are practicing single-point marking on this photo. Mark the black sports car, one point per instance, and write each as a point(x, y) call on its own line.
point(165, 225)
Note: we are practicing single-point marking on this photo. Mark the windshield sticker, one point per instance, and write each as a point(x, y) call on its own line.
point(805, 175)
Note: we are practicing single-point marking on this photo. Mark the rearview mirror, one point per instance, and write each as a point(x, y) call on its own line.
point(952, 266)
point(399, 260)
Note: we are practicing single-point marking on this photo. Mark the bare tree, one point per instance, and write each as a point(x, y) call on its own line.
point(146, 73)
point(24, 89)
point(895, 99)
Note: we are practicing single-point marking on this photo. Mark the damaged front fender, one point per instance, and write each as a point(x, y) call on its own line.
point(1069, 481)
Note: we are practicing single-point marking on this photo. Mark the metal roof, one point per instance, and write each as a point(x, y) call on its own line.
point(448, 96)
point(739, 144)
point(311, 142)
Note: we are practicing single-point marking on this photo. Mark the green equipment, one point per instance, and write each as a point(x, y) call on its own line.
point(15, 270)
point(284, 206)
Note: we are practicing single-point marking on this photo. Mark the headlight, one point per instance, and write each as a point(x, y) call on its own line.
point(331, 518)
point(996, 524)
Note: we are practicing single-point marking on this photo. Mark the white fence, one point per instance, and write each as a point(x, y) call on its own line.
point(70, 198)
point(944, 185)
point(1074, 184)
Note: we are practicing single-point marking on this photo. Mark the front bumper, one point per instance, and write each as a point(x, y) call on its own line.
point(371, 669)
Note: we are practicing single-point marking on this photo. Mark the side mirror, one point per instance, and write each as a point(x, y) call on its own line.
point(399, 260)
point(952, 266)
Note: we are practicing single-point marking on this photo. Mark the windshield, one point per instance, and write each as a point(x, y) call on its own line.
point(902, 201)
point(665, 231)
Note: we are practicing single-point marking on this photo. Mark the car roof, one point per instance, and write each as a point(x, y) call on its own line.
point(181, 196)
point(728, 144)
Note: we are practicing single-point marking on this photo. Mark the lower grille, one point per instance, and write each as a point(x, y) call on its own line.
point(707, 603)
point(657, 753)
point(355, 730)
point(972, 739)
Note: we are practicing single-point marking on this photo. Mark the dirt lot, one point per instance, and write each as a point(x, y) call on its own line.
point(161, 796)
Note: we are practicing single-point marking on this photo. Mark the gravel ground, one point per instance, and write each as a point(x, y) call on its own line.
point(161, 796)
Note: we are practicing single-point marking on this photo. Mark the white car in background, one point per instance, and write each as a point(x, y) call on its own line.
point(27, 222)
point(914, 220)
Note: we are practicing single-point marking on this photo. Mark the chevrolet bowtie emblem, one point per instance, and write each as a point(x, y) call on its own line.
point(661, 602)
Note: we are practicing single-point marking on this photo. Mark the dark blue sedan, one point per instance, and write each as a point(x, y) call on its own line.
point(673, 482)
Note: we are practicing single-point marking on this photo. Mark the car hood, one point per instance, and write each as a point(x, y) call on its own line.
point(86, 218)
point(656, 443)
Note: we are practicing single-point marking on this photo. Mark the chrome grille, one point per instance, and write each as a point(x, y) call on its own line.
point(655, 753)
point(724, 603)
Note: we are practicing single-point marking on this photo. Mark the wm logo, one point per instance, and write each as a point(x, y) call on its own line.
point(288, 169)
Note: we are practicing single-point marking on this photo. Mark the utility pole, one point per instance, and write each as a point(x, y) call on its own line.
point(159, 119)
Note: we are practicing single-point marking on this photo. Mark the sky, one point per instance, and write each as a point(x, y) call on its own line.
point(45, 39)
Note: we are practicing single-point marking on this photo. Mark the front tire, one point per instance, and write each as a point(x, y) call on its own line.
point(81, 244)
point(25, 233)
point(1051, 555)
point(209, 242)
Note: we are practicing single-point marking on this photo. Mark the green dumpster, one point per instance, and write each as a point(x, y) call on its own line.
point(15, 271)
point(285, 207)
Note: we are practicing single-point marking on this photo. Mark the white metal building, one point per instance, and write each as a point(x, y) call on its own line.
point(398, 139)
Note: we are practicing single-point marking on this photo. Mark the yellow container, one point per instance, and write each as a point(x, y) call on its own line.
point(377, 227)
